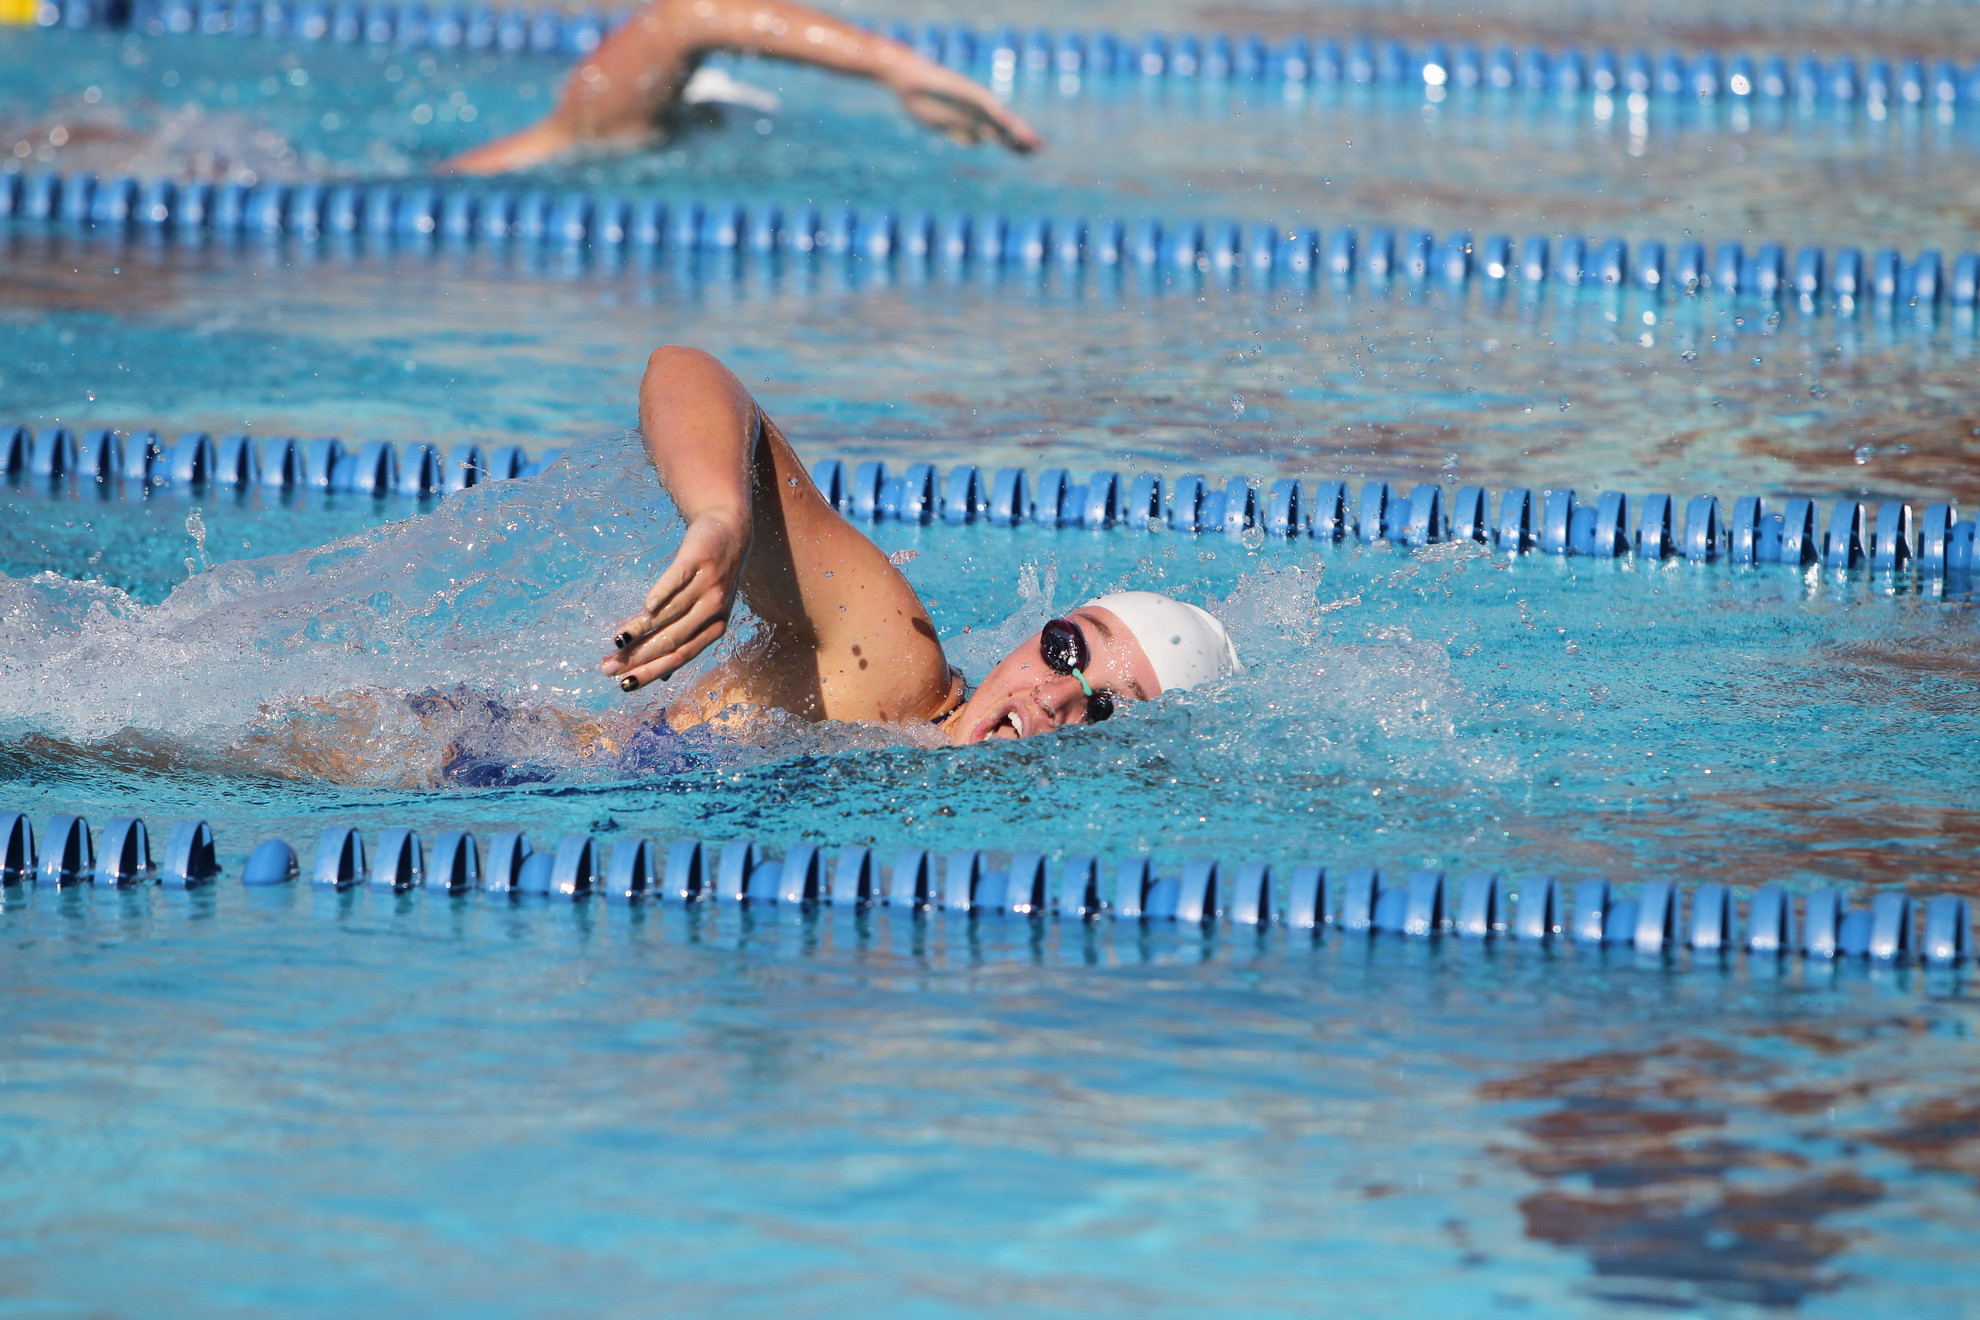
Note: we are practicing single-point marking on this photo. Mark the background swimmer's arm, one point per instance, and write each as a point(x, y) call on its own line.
point(844, 634)
point(621, 90)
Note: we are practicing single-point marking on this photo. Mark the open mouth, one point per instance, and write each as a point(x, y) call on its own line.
point(1010, 725)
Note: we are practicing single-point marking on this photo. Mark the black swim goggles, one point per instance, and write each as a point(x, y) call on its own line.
point(1064, 647)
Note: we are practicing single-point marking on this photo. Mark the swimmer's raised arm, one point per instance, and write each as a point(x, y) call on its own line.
point(621, 90)
point(702, 432)
point(843, 635)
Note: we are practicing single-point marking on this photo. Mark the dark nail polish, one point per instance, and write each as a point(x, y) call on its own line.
point(628, 683)
point(664, 677)
point(622, 641)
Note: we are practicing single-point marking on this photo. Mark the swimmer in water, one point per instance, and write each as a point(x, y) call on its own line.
point(842, 634)
point(624, 93)
point(839, 635)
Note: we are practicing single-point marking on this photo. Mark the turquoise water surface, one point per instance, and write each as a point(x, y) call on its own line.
point(296, 1101)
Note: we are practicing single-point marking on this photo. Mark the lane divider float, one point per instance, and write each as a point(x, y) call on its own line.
point(104, 461)
point(1891, 536)
point(1657, 917)
point(391, 215)
point(1067, 59)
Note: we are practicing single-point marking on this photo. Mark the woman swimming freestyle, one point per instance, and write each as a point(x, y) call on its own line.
point(623, 93)
point(843, 635)
point(837, 634)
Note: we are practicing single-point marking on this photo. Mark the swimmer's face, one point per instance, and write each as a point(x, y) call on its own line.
point(1025, 695)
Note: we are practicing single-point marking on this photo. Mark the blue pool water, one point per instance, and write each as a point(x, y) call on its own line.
point(250, 109)
point(314, 1108)
point(308, 1102)
point(1587, 387)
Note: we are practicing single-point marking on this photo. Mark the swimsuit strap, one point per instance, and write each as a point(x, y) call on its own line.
point(958, 696)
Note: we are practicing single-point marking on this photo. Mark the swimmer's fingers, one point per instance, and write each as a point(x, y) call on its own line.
point(646, 635)
point(679, 634)
point(663, 666)
point(968, 121)
point(628, 634)
point(966, 112)
point(1013, 132)
point(707, 566)
point(518, 151)
point(671, 597)
point(690, 579)
point(693, 562)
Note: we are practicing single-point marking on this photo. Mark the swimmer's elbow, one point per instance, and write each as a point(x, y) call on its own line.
point(675, 15)
point(677, 374)
point(670, 358)
point(661, 21)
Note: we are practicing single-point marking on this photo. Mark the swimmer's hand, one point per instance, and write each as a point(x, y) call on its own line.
point(688, 609)
point(959, 108)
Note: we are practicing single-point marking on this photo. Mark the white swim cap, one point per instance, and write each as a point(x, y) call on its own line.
point(1186, 645)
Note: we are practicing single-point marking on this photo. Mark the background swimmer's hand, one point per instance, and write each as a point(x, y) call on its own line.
point(688, 609)
point(959, 108)
point(518, 151)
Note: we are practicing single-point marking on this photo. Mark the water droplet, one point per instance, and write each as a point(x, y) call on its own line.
point(1237, 405)
point(1564, 403)
point(196, 528)
point(1756, 362)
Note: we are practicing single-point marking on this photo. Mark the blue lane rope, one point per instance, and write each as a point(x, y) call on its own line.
point(412, 213)
point(107, 462)
point(1888, 536)
point(1067, 57)
point(1656, 917)
point(1891, 536)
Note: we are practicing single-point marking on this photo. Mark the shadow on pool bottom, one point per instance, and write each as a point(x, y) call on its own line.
point(1643, 1176)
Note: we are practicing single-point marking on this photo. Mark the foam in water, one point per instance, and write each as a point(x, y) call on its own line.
point(505, 592)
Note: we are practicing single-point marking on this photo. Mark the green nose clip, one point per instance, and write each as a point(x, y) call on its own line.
point(1084, 686)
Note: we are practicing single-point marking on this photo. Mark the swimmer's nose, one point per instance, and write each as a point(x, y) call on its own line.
point(1059, 697)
